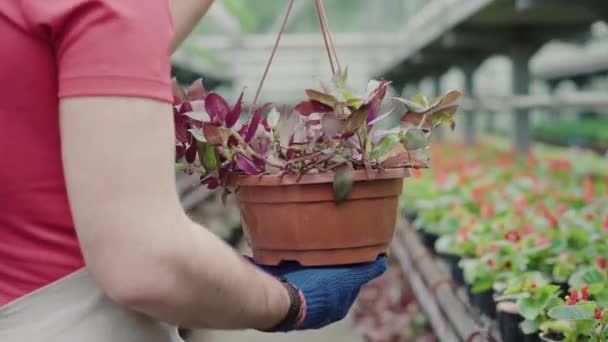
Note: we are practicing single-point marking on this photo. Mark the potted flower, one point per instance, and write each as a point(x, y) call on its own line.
point(318, 183)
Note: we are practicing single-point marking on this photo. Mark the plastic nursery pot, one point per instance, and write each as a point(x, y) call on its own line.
point(428, 239)
point(290, 219)
point(456, 271)
point(484, 301)
point(508, 319)
point(551, 337)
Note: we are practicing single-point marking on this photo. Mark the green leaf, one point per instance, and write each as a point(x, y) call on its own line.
point(483, 284)
point(602, 298)
point(570, 312)
point(324, 98)
point(199, 115)
point(384, 146)
point(421, 100)
point(529, 326)
point(273, 118)
point(208, 156)
point(355, 120)
point(411, 105)
point(197, 133)
point(343, 183)
point(415, 139)
point(587, 276)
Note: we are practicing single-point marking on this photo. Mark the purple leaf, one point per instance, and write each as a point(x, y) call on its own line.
point(185, 108)
point(246, 165)
point(211, 183)
point(216, 107)
point(235, 113)
point(308, 107)
point(181, 128)
point(255, 121)
point(323, 98)
point(196, 91)
point(191, 153)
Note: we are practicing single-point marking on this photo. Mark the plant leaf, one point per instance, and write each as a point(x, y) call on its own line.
point(415, 139)
point(216, 107)
point(384, 146)
point(214, 135)
point(355, 120)
point(197, 134)
point(235, 113)
point(273, 118)
point(450, 97)
point(255, 121)
point(326, 99)
point(570, 312)
point(246, 165)
point(343, 183)
point(421, 100)
point(196, 91)
point(529, 326)
point(208, 156)
point(332, 126)
point(198, 116)
point(411, 106)
point(191, 153)
point(308, 107)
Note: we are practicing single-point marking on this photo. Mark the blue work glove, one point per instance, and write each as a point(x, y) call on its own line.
point(326, 293)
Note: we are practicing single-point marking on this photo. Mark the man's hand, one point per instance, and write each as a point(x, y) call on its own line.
point(328, 292)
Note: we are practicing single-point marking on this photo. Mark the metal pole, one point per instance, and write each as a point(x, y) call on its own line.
point(470, 132)
point(520, 56)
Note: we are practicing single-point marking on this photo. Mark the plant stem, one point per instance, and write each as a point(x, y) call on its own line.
point(250, 150)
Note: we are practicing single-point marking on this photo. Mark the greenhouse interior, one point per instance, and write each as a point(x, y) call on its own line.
point(503, 235)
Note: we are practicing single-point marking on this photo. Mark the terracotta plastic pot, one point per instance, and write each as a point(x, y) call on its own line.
point(291, 219)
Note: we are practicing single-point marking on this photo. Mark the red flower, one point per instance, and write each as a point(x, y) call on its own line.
point(533, 285)
point(490, 262)
point(602, 262)
point(562, 208)
point(572, 299)
point(605, 223)
point(487, 211)
point(598, 314)
point(513, 236)
point(549, 216)
point(494, 248)
point(589, 189)
point(585, 293)
point(590, 216)
point(543, 241)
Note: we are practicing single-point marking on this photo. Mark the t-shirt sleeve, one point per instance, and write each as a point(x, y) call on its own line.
point(108, 47)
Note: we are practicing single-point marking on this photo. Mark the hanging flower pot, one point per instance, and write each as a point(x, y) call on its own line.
point(318, 182)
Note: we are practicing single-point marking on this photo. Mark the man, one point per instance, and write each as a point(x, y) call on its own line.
point(94, 244)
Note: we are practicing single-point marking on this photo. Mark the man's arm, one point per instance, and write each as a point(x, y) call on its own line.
point(186, 14)
point(138, 244)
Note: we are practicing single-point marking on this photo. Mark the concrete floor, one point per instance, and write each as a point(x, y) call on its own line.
point(338, 332)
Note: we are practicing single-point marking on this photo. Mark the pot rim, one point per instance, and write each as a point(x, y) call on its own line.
point(317, 178)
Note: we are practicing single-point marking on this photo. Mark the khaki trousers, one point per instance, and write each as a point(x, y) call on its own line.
point(73, 309)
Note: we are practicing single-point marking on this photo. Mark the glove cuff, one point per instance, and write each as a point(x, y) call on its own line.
point(297, 309)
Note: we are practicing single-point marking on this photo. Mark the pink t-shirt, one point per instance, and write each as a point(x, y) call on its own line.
point(53, 49)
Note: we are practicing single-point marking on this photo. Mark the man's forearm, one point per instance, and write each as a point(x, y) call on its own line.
point(211, 286)
point(186, 14)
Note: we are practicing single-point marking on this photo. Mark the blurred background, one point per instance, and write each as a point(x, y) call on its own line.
point(535, 75)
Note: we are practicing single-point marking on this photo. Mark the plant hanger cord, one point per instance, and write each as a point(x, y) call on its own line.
point(329, 45)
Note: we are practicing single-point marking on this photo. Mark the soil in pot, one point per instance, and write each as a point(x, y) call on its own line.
point(297, 219)
point(508, 321)
point(455, 270)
